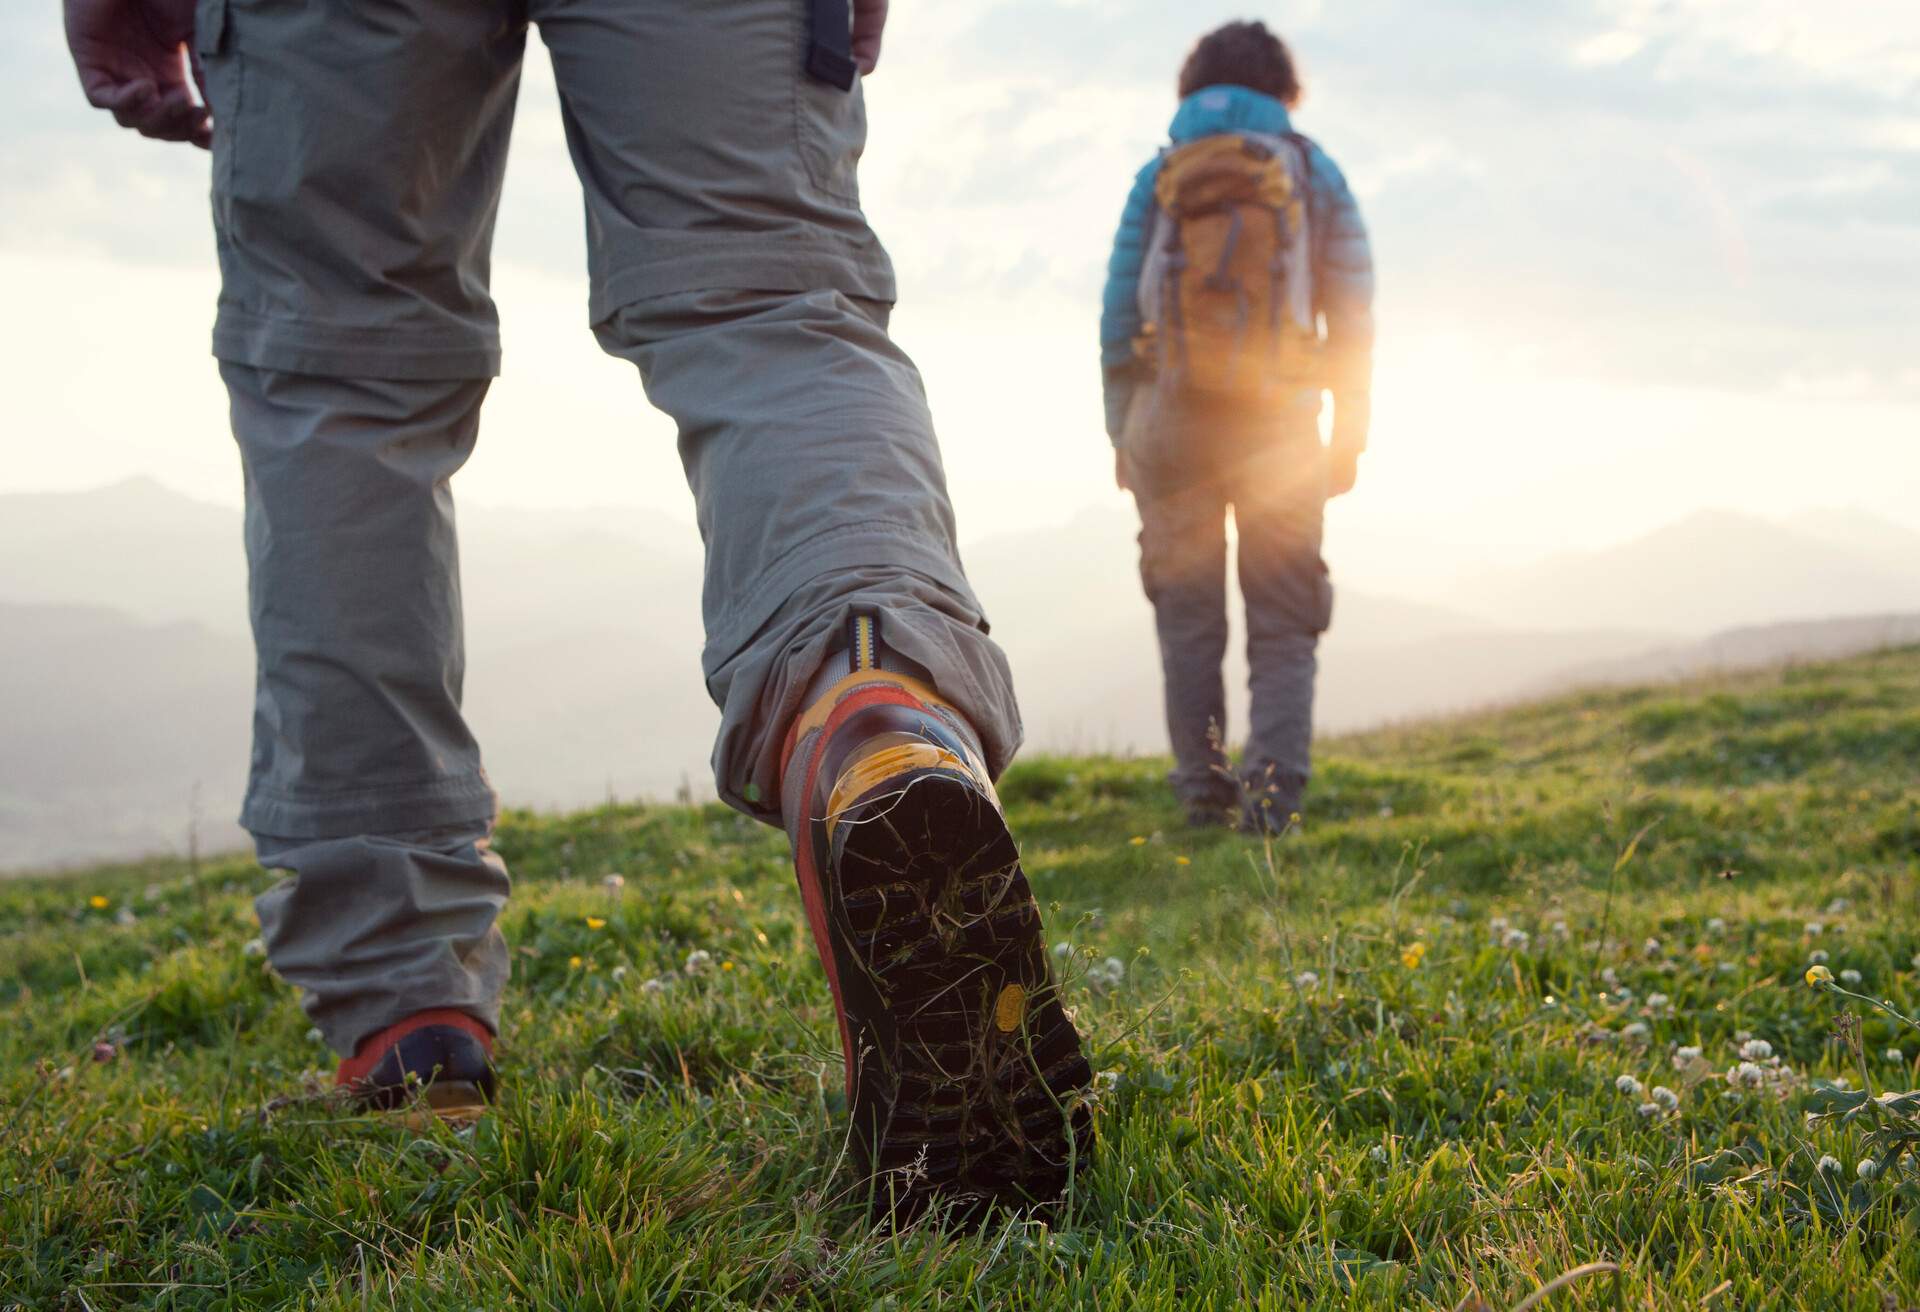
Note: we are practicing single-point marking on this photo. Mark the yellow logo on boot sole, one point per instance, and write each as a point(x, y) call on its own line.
point(1010, 1009)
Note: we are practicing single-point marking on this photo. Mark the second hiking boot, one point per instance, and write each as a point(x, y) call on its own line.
point(435, 1062)
point(964, 1074)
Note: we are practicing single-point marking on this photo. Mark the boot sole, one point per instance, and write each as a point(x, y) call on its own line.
point(969, 1074)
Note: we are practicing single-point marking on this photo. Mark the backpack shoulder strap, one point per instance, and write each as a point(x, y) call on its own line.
point(1317, 217)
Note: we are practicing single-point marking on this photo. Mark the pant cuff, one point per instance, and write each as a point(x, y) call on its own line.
point(399, 808)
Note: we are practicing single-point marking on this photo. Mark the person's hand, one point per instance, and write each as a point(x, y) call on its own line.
point(869, 18)
point(133, 57)
point(1122, 470)
point(1343, 469)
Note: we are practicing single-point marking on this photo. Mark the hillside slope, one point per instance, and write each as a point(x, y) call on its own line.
point(1406, 1058)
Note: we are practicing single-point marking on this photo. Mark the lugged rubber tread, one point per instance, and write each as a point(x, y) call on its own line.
point(937, 919)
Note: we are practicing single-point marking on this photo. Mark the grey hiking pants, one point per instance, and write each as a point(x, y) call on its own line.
point(1191, 465)
point(358, 157)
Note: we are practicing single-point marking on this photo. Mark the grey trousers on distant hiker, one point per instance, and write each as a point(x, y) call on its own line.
point(358, 158)
point(1191, 464)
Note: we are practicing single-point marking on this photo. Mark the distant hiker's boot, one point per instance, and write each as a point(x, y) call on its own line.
point(964, 1074)
point(1272, 802)
point(1213, 815)
point(437, 1061)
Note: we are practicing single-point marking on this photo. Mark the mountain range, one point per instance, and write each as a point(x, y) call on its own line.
point(126, 698)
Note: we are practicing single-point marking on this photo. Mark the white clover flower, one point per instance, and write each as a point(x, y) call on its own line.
point(1306, 979)
point(255, 947)
point(699, 961)
point(1628, 1085)
point(1499, 925)
point(1896, 1056)
point(1828, 1165)
point(1560, 930)
point(1106, 1081)
point(1635, 1030)
point(1378, 1155)
point(1686, 1056)
point(1107, 974)
point(1868, 1169)
point(1623, 994)
point(1716, 925)
point(1746, 1075)
point(152, 892)
point(1609, 977)
point(315, 1036)
point(618, 973)
point(1817, 957)
point(1916, 961)
point(1756, 1050)
point(1648, 1109)
point(1837, 907)
point(1658, 1001)
point(1842, 1082)
point(1651, 947)
point(1725, 968)
point(1516, 939)
point(1664, 1098)
point(1815, 929)
point(125, 916)
point(1062, 950)
point(654, 985)
point(1850, 977)
point(613, 882)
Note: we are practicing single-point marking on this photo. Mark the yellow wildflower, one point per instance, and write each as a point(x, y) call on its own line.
point(97, 902)
point(595, 922)
point(1138, 840)
point(726, 965)
point(1818, 975)
point(573, 963)
point(1411, 955)
point(1183, 860)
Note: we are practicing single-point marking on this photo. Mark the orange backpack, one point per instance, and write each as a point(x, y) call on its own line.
point(1226, 292)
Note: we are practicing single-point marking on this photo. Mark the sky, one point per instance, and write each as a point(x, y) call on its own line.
point(1636, 258)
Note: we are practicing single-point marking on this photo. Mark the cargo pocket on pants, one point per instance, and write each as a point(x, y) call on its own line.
point(829, 109)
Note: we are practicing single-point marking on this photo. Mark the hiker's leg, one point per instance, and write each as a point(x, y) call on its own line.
point(1183, 566)
point(366, 786)
point(1279, 501)
point(356, 336)
point(732, 264)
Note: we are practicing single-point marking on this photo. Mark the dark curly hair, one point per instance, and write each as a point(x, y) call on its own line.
point(1242, 55)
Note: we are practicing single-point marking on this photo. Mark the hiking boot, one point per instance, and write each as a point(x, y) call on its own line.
point(1272, 802)
point(437, 1061)
point(1213, 815)
point(964, 1074)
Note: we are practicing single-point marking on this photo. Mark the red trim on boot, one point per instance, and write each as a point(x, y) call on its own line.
point(813, 893)
point(368, 1052)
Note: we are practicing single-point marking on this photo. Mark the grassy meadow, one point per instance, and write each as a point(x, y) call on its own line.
point(1524, 1001)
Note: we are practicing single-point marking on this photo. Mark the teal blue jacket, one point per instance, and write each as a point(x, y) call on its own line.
point(1343, 267)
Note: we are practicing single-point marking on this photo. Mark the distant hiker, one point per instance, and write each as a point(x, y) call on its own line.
point(358, 154)
point(1240, 289)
